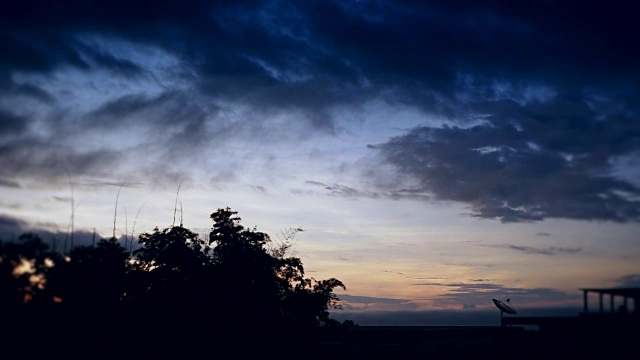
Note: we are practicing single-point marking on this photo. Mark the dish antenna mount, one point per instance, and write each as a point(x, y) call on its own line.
point(505, 307)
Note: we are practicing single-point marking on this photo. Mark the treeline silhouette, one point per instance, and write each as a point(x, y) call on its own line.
point(239, 291)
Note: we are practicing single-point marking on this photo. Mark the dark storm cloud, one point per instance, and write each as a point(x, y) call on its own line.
point(160, 113)
point(526, 165)
point(260, 52)
point(37, 158)
point(545, 154)
point(546, 142)
point(101, 58)
point(541, 97)
point(312, 53)
point(11, 124)
point(38, 51)
point(9, 88)
point(161, 126)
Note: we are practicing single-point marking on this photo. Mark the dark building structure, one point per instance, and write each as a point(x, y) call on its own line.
point(625, 293)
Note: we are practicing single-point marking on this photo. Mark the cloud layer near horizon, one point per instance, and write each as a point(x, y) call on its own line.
point(527, 112)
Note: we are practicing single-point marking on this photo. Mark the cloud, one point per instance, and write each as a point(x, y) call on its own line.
point(43, 159)
point(11, 124)
point(312, 55)
point(631, 280)
point(371, 300)
point(552, 250)
point(340, 190)
point(64, 199)
point(480, 294)
point(11, 227)
point(99, 183)
point(536, 111)
point(475, 294)
point(360, 303)
point(526, 167)
point(167, 112)
point(9, 183)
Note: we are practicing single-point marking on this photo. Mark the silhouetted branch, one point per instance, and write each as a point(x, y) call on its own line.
point(72, 210)
point(115, 212)
point(175, 206)
point(133, 229)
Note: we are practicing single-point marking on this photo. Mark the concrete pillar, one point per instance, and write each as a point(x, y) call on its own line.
point(611, 303)
point(601, 307)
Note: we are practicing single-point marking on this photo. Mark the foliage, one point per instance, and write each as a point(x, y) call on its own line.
point(262, 283)
point(25, 267)
point(237, 278)
point(93, 276)
point(170, 269)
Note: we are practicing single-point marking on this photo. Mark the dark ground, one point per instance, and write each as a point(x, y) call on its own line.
point(104, 336)
point(568, 340)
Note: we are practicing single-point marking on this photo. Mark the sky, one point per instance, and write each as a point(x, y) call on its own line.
point(437, 154)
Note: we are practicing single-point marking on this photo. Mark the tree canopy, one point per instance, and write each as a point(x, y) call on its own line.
point(238, 280)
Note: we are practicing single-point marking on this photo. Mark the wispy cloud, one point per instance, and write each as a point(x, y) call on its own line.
point(343, 191)
point(631, 280)
point(359, 303)
point(461, 294)
point(552, 250)
point(9, 183)
point(355, 193)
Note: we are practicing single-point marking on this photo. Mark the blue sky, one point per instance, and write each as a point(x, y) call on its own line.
point(437, 154)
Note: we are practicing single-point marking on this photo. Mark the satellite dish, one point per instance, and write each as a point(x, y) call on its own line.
point(505, 307)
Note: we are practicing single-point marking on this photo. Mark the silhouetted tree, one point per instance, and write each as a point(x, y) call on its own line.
point(171, 273)
point(266, 286)
point(93, 276)
point(25, 269)
point(239, 283)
